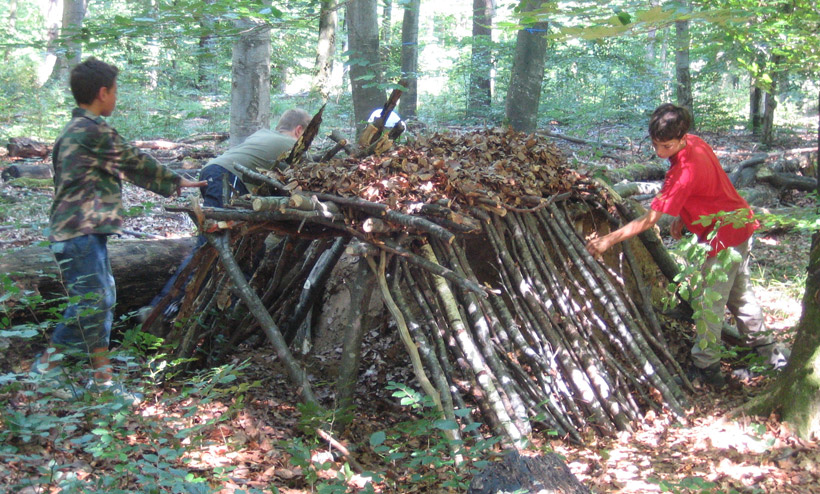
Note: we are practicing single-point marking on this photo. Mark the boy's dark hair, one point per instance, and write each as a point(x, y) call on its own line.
point(669, 122)
point(291, 119)
point(88, 77)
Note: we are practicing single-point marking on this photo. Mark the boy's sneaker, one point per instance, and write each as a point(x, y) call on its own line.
point(776, 354)
point(53, 381)
point(711, 375)
point(116, 389)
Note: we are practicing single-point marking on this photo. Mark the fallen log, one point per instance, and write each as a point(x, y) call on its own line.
point(23, 147)
point(37, 171)
point(787, 181)
point(140, 269)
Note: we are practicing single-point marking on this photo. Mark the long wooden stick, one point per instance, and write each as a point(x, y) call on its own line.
point(251, 300)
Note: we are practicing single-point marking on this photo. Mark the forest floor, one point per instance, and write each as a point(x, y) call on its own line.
point(254, 436)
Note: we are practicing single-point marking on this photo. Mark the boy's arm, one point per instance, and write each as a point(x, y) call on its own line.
point(598, 246)
point(129, 163)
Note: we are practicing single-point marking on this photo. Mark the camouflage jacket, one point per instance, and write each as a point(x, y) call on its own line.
point(90, 161)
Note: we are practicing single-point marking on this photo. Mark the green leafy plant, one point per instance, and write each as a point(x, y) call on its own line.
point(690, 485)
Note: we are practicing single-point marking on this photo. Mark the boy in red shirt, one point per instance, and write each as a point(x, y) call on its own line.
point(696, 186)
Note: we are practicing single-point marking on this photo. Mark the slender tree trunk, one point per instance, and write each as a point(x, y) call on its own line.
point(152, 47)
point(52, 15)
point(527, 73)
point(69, 52)
point(326, 48)
point(682, 75)
point(387, 18)
point(770, 103)
point(250, 90)
point(410, 58)
point(651, 38)
point(755, 116)
point(207, 56)
point(479, 95)
point(11, 23)
point(365, 69)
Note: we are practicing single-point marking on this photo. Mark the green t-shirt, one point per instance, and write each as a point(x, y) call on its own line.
point(260, 151)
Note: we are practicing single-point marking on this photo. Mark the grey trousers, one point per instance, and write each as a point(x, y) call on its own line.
point(735, 294)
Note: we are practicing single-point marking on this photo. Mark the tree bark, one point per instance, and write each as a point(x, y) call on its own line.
point(524, 92)
point(326, 48)
point(365, 68)
point(250, 90)
point(387, 18)
point(682, 77)
point(52, 15)
point(755, 116)
point(11, 23)
point(410, 59)
point(479, 93)
point(70, 48)
point(207, 58)
point(361, 289)
point(796, 392)
point(769, 104)
point(140, 269)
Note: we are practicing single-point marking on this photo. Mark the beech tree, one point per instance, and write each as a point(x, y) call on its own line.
point(365, 72)
point(479, 93)
point(250, 75)
point(326, 48)
point(524, 92)
point(410, 58)
point(682, 75)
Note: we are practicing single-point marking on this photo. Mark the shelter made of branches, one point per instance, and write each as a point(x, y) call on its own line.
point(476, 242)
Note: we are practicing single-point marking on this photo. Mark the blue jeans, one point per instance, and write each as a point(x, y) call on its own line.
point(86, 270)
point(211, 198)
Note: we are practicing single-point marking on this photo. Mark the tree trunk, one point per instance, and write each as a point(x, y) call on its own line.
point(755, 116)
point(11, 25)
point(770, 103)
point(207, 56)
point(70, 51)
point(250, 90)
point(479, 95)
point(140, 269)
point(387, 18)
point(682, 77)
point(326, 48)
point(524, 92)
point(652, 38)
point(365, 69)
point(410, 59)
point(796, 393)
point(52, 15)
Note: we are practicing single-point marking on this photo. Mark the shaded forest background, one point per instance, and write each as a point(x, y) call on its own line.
point(602, 66)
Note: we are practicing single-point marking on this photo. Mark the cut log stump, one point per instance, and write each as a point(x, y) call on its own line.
point(545, 474)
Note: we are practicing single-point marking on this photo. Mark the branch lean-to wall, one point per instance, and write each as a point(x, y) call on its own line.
point(526, 327)
point(481, 260)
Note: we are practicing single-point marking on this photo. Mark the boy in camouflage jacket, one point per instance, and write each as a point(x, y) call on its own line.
point(90, 161)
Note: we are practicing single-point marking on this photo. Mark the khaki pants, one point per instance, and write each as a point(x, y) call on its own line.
point(736, 294)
